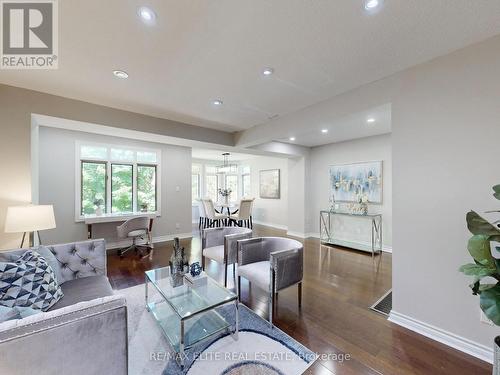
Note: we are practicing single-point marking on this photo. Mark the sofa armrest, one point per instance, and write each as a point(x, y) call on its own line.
point(81, 259)
point(85, 338)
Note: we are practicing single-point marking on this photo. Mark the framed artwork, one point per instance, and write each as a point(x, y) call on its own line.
point(269, 184)
point(348, 181)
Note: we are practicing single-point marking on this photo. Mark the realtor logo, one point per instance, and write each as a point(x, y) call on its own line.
point(29, 34)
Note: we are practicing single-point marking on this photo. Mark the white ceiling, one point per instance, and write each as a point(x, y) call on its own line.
point(206, 154)
point(200, 50)
point(350, 127)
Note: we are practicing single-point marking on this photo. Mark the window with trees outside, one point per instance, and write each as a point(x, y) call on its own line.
point(117, 179)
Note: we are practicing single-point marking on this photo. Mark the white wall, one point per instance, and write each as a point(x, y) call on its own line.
point(360, 150)
point(57, 186)
point(272, 212)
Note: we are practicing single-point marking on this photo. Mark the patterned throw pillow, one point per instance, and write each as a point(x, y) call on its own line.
point(28, 282)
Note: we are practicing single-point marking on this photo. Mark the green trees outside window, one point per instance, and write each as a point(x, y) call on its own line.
point(93, 186)
point(146, 187)
point(121, 188)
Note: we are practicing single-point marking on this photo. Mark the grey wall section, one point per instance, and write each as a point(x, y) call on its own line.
point(16, 107)
point(446, 132)
point(57, 185)
point(359, 150)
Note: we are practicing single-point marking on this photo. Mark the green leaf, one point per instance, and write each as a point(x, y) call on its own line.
point(479, 249)
point(478, 225)
point(477, 270)
point(490, 303)
point(496, 189)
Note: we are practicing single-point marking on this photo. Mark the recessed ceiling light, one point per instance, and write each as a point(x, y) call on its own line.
point(372, 4)
point(268, 71)
point(370, 120)
point(120, 74)
point(147, 14)
point(292, 139)
point(217, 102)
point(324, 131)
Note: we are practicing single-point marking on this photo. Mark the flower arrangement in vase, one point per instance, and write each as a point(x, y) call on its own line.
point(225, 194)
point(361, 207)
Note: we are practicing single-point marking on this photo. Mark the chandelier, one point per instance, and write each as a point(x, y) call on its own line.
point(226, 166)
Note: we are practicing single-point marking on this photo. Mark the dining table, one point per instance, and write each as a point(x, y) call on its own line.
point(231, 208)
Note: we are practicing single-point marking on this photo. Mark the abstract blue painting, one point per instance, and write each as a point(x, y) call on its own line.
point(349, 180)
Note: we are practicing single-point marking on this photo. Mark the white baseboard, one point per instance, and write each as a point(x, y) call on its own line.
point(296, 234)
point(272, 225)
point(385, 248)
point(457, 342)
point(126, 243)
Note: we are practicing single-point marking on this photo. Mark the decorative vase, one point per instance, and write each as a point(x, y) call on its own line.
point(226, 199)
point(178, 261)
point(98, 211)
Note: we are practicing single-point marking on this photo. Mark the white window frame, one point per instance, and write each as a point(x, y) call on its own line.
point(243, 175)
point(109, 161)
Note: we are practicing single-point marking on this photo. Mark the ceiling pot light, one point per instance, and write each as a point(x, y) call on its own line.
point(268, 71)
point(324, 131)
point(120, 74)
point(372, 4)
point(147, 14)
point(292, 139)
point(371, 120)
point(217, 102)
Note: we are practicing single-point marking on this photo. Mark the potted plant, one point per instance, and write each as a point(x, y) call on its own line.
point(97, 204)
point(225, 193)
point(144, 207)
point(484, 248)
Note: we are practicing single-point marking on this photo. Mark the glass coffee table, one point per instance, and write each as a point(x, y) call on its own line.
point(186, 314)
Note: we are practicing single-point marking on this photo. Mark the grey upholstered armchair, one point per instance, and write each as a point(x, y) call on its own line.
point(271, 263)
point(220, 245)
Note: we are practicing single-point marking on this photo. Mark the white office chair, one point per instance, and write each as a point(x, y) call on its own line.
point(214, 218)
point(244, 214)
point(137, 227)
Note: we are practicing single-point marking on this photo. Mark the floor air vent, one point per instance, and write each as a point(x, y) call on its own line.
point(384, 304)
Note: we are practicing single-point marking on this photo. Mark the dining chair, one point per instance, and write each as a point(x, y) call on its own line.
point(244, 214)
point(220, 245)
point(202, 222)
point(214, 218)
point(135, 228)
point(273, 264)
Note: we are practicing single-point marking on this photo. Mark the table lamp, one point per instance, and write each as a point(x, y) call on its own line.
point(29, 219)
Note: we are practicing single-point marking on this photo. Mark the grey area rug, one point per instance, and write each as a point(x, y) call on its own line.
point(260, 349)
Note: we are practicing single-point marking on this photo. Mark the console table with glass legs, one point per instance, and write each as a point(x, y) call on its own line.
point(327, 231)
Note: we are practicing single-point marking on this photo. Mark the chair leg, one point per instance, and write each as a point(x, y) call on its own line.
point(203, 263)
point(251, 223)
point(299, 291)
point(272, 298)
point(238, 291)
point(225, 275)
point(199, 223)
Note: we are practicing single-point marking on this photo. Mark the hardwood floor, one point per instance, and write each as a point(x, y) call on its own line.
point(339, 286)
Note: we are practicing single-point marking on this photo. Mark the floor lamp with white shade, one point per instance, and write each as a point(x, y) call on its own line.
point(29, 219)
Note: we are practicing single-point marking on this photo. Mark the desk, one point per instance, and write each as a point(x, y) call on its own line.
point(327, 235)
point(115, 218)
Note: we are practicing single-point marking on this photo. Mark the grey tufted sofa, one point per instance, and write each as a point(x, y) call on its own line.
point(85, 332)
